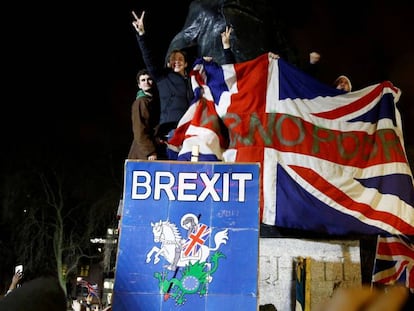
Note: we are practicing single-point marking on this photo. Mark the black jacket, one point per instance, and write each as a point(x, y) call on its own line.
point(175, 91)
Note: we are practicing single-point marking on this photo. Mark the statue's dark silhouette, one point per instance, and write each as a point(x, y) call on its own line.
point(257, 29)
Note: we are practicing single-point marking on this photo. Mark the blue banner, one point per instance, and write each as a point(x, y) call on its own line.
point(189, 237)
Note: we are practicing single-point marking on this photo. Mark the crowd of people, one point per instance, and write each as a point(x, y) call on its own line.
point(38, 294)
point(164, 95)
point(45, 293)
point(174, 94)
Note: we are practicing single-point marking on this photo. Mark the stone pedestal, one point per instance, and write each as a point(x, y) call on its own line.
point(334, 263)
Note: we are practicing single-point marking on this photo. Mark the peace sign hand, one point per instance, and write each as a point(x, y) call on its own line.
point(225, 37)
point(138, 23)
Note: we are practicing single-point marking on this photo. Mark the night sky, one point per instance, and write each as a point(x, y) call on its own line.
point(70, 66)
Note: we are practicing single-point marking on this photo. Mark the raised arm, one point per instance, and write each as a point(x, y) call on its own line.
point(155, 69)
point(225, 37)
point(15, 280)
point(138, 23)
point(225, 40)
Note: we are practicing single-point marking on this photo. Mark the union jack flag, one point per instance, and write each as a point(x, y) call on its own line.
point(195, 239)
point(92, 288)
point(394, 261)
point(331, 161)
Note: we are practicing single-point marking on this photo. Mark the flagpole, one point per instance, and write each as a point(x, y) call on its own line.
point(195, 151)
point(307, 284)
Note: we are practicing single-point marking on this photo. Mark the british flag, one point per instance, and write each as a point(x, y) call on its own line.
point(331, 162)
point(394, 261)
point(196, 238)
point(92, 288)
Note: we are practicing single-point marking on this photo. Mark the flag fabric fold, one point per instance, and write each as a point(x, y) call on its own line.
point(394, 261)
point(331, 162)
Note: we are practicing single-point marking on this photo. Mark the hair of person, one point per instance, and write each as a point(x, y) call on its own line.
point(175, 51)
point(141, 73)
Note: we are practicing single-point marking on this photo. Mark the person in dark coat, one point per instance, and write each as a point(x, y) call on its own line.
point(173, 85)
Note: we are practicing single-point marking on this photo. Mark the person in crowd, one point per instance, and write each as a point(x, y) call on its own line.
point(366, 298)
point(173, 85)
point(109, 306)
point(145, 112)
point(88, 302)
point(343, 83)
point(77, 306)
point(15, 281)
point(312, 66)
point(39, 294)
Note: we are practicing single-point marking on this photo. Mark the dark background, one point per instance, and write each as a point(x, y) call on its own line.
point(70, 66)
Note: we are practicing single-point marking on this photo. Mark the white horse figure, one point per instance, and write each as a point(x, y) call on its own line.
point(168, 235)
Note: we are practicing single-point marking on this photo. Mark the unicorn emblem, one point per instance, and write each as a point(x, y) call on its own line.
point(181, 252)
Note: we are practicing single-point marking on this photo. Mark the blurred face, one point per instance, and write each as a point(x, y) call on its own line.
point(145, 82)
point(177, 63)
point(343, 84)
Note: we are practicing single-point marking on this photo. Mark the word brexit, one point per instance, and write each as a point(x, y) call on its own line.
point(189, 186)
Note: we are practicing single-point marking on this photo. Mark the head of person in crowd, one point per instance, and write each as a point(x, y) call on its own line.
point(343, 83)
point(77, 306)
point(39, 294)
point(177, 61)
point(145, 82)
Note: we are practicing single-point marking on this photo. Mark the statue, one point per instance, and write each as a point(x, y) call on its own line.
point(257, 29)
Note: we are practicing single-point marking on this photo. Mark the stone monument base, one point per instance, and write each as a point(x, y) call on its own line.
point(334, 263)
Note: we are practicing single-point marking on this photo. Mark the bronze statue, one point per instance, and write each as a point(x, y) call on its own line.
point(257, 29)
